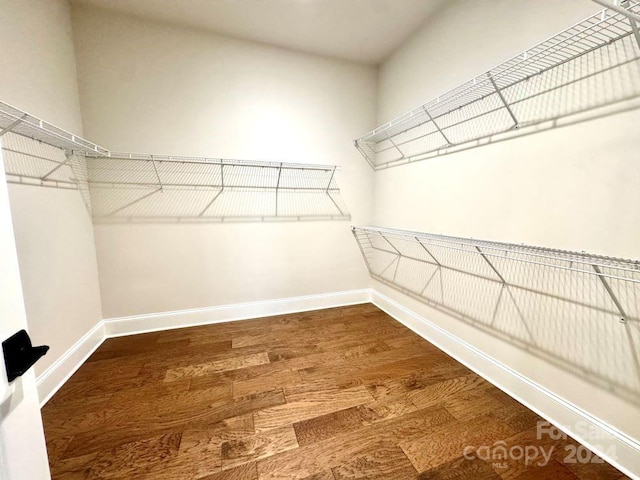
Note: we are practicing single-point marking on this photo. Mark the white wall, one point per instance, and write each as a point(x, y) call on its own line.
point(575, 188)
point(53, 231)
point(150, 87)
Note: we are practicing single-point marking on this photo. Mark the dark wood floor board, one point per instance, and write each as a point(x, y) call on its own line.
point(132, 342)
point(389, 382)
point(447, 390)
point(90, 442)
point(324, 475)
point(76, 468)
point(387, 363)
point(248, 471)
point(388, 462)
point(594, 468)
point(385, 409)
point(279, 379)
point(461, 468)
point(73, 423)
point(261, 337)
point(59, 406)
point(196, 355)
point(340, 393)
point(135, 459)
point(304, 407)
point(237, 407)
point(329, 425)
point(344, 447)
point(258, 445)
point(144, 350)
point(510, 468)
point(445, 443)
point(156, 391)
point(551, 471)
point(217, 366)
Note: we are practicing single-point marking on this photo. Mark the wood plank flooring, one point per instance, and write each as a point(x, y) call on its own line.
point(339, 393)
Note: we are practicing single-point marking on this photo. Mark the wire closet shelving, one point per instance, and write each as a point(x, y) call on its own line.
point(127, 187)
point(577, 309)
point(588, 67)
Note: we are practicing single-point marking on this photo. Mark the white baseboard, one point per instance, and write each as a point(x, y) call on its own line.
point(115, 327)
point(542, 401)
point(50, 381)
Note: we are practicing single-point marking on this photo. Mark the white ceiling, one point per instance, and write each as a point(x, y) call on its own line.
point(360, 30)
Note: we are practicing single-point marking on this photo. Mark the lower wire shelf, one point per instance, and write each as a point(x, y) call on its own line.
point(575, 309)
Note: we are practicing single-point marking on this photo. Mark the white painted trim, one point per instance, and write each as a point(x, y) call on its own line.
point(50, 381)
point(115, 327)
point(545, 403)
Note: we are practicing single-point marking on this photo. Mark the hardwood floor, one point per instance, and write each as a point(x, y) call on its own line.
point(332, 394)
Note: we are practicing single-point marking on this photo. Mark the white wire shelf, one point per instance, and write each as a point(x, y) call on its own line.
point(624, 7)
point(128, 187)
point(588, 66)
point(17, 121)
point(555, 303)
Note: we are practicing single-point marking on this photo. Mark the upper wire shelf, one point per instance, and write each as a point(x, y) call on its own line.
point(572, 308)
point(17, 121)
point(128, 187)
point(590, 65)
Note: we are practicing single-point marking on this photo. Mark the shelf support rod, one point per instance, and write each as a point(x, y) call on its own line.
point(504, 282)
point(359, 242)
point(59, 166)
point(504, 101)
point(636, 31)
point(333, 172)
point(395, 273)
point(278, 187)
point(607, 287)
point(437, 126)
point(391, 245)
point(428, 252)
point(153, 162)
point(210, 203)
point(13, 125)
point(364, 154)
point(334, 202)
point(222, 175)
point(394, 144)
point(134, 202)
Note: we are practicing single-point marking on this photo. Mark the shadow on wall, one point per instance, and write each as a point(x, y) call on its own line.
point(126, 188)
point(577, 311)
